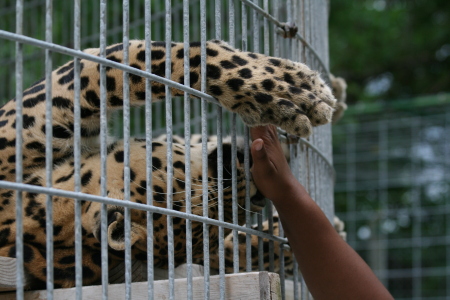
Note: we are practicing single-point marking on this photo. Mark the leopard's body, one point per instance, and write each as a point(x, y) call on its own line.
point(262, 90)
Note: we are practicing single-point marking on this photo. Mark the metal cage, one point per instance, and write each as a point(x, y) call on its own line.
point(38, 35)
point(392, 192)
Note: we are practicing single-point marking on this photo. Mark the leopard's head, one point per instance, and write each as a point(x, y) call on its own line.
point(244, 189)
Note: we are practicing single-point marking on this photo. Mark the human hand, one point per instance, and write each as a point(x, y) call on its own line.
point(270, 171)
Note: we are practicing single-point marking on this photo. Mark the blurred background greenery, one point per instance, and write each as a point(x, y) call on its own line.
point(390, 49)
point(392, 148)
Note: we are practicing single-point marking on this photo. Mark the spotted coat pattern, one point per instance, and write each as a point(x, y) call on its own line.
point(261, 89)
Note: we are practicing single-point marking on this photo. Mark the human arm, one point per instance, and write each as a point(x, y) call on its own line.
point(330, 267)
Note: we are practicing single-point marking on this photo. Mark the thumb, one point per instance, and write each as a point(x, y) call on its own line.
point(259, 154)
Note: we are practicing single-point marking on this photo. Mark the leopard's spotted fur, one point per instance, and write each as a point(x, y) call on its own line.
point(261, 89)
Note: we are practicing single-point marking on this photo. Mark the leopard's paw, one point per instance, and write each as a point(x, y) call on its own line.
point(265, 90)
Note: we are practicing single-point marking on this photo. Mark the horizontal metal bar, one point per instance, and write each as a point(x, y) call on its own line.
point(283, 138)
point(76, 53)
point(134, 205)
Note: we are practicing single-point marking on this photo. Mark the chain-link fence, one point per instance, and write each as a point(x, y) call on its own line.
point(392, 166)
point(38, 35)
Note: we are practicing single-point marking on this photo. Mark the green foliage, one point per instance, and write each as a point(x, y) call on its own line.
point(404, 43)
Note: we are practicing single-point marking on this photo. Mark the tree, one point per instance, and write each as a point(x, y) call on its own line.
point(391, 48)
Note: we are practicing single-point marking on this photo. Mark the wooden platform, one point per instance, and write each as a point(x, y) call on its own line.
point(248, 286)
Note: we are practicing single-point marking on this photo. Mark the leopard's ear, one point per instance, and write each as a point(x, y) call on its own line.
point(116, 230)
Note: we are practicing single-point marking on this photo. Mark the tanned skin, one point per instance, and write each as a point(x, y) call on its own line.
point(330, 267)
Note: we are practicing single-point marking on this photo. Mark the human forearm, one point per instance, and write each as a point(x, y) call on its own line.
point(332, 270)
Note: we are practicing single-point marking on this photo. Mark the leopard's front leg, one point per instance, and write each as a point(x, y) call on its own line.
point(261, 89)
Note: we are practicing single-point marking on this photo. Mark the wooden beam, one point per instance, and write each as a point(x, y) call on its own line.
point(248, 286)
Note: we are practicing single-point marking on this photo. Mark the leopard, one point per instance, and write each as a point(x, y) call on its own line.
point(260, 89)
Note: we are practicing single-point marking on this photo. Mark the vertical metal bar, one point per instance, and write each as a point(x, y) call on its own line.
point(266, 42)
point(232, 32)
point(307, 36)
point(204, 109)
point(218, 35)
point(196, 32)
point(19, 158)
point(49, 148)
point(148, 151)
point(276, 40)
point(256, 48)
point(103, 151)
point(295, 42)
point(266, 51)
point(288, 42)
point(234, 193)
point(170, 240)
point(126, 146)
point(231, 25)
point(248, 221)
point(260, 243)
point(244, 21)
point(266, 36)
point(187, 138)
point(77, 155)
point(255, 28)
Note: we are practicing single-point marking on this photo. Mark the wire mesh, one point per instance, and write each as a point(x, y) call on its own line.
point(391, 191)
point(248, 25)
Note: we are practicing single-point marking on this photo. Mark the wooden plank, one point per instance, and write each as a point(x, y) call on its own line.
point(7, 274)
point(275, 286)
point(238, 286)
